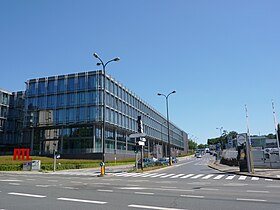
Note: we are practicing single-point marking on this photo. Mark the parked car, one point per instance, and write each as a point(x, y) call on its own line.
point(162, 161)
point(174, 160)
point(147, 162)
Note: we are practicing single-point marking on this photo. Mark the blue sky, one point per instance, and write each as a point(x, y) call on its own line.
point(218, 55)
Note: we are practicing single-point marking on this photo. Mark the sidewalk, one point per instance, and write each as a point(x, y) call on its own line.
point(258, 172)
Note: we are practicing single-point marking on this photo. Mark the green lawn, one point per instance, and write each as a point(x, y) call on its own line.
point(8, 164)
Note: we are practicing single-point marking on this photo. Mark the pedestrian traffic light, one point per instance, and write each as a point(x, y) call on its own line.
point(136, 148)
point(140, 124)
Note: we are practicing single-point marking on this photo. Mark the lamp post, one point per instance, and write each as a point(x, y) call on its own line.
point(168, 132)
point(104, 102)
point(221, 128)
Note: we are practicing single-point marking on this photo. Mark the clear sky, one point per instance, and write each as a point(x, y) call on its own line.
point(218, 55)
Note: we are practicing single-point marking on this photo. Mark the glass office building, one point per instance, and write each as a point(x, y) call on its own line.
point(66, 113)
point(11, 121)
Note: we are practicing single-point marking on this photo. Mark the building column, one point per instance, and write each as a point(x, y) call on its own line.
point(126, 137)
point(61, 142)
point(148, 148)
point(116, 141)
point(93, 139)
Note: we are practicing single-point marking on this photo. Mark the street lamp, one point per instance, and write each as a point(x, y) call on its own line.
point(221, 128)
point(166, 98)
point(104, 101)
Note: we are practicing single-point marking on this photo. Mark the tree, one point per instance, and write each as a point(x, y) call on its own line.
point(192, 144)
point(222, 139)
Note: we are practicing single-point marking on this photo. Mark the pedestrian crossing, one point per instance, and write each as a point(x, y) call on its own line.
point(190, 176)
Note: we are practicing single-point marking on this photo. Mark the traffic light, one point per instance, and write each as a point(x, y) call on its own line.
point(136, 148)
point(140, 124)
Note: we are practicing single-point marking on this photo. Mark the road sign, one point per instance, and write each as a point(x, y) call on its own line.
point(241, 139)
point(141, 143)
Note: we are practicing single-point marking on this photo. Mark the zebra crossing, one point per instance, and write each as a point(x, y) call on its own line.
point(190, 176)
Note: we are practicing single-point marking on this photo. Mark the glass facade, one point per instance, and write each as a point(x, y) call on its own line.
point(11, 120)
point(68, 110)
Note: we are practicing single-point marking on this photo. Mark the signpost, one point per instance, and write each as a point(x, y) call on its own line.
point(141, 142)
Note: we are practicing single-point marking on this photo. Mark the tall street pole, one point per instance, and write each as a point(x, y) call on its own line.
point(276, 128)
point(168, 132)
point(104, 104)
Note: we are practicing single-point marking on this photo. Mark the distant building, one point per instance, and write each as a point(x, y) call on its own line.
point(65, 112)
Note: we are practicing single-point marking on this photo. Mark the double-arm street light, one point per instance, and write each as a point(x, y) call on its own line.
point(168, 134)
point(104, 101)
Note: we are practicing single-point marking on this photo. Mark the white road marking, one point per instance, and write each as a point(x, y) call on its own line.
point(38, 185)
point(147, 175)
point(209, 189)
point(219, 176)
point(187, 176)
point(52, 180)
point(133, 188)
point(269, 180)
point(176, 176)
point(152, 207)
point(105, 190)
point(144, 193)
point(208, 176)
point(242, 178)
point(82, 201)
point(192, 196)
point(255, 191)
point(255, 178)
point(197, 176)
point(76, 182)
point(235, 185)
point(273, 186)
point(247, 199)
point(168, 175)
point(10, 180)
point(71, 188)
point(158, 175)
point(230, 177)
point(14, 183)
point(27, 195)
point(30, 179)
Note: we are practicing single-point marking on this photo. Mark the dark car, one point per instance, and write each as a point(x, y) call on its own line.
point(162, 161)
point(146, 162)
point(174, 160)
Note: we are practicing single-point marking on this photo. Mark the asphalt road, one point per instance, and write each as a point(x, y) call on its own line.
point(189, 184)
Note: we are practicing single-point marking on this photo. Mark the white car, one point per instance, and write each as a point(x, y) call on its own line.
point(198, 155)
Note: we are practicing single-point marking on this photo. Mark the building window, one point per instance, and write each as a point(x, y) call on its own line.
point(71, 84)
point(82, 98)
point(51, 86)
point(92, 82)
point(71, 99)
point(61, 100)
point(32, 88)
point(51, 102)
point(82, 83)
point(60, 85)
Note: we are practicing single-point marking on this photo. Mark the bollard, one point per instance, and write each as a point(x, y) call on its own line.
point(102, 169)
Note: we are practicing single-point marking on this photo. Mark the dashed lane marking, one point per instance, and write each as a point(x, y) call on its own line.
point(81, 200)
point(27, 195)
